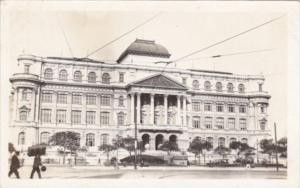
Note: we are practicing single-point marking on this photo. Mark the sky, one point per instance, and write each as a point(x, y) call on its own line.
point(40, 32)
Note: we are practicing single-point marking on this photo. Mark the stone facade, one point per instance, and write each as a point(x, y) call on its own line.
point(101, 100)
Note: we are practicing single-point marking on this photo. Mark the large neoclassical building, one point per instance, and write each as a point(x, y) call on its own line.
point(100, 100)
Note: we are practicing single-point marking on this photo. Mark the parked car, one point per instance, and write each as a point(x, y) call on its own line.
point(222, 163)
point(143, 160)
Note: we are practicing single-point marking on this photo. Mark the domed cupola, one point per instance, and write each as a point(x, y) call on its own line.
point(144, 51)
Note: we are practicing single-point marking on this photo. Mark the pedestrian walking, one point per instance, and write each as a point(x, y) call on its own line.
point(36, 166)
point(14, 165)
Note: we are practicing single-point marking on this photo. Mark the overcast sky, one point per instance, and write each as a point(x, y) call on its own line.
point(38, 31)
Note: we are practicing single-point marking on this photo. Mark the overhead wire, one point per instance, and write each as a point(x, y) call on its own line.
point(65, 37)
point(226, 39)
point(124, 34)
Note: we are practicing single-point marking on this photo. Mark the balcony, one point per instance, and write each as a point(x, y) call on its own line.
point(24, 76)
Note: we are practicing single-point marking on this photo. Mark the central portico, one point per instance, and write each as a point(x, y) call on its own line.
point(158, 103)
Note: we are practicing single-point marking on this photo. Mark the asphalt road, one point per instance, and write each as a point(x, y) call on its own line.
point(157, 173)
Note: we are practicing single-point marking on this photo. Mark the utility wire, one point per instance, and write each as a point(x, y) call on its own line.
point(230, 54)
point(65, 37)
point(227, 39)
point(136, 27)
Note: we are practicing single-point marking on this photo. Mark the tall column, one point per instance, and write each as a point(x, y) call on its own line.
point(166, 109)
point(184, 111)
point(151, 108)
point(138, 108)
point(15, 100)
point(132, 108)
point(178, 119)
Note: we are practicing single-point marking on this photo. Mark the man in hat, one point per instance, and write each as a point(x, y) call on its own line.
point(36, 166)
point(14, 165)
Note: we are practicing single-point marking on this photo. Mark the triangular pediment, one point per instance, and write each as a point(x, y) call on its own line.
point(159, 81)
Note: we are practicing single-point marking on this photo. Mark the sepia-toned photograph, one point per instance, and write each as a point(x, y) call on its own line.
point(145, 91)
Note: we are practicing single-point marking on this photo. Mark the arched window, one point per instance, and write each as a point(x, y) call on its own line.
point(196, 84)
point(207, 85)
point(92, 77)
point(121, 101)
point(21, 138)
point(230, 87)
point(104, 138)
point(221, 142)
point(63, 75)
point(244, 140)
point(23, 115)
point(210, 140)
point(219, 86)
point(232, 140)
point(48, 74)
point(241, 88)
point(121, 118)
point(90, 139)
point(105, 78)
point(45, 137)
point(77, 76)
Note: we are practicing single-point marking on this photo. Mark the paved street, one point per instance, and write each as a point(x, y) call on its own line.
point(156, 172)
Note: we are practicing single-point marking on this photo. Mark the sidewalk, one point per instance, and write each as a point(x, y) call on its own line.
point(175, 168)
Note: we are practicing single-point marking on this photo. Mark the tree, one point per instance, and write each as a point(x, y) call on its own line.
point(282, 147)
point(198, 145)
point(169, 146)
point(68, 140)
point(268, 147)
point(242, 148)
point(107, 148)
point(128, 144)
point(222, 150)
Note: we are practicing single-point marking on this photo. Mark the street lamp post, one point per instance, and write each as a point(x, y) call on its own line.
point(276, 149)
point(135, 146)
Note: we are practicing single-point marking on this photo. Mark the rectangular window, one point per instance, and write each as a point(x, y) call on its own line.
point(61, 116)
point(121, 77)
point(220, 107)
point(220, 123)
point(262, 109)
point(196, 122)
point(196, 106)
point(243, 124)
point(184, 81)
point(208, 122)
point(76, 117)
point(46, 116)
point(26, 68)
point(231, 108)
point(105, 100)
point(104, 118)
point(76, 99)
point(62, 98)
point(23, 115)
point(121, 119)
point(47, 97)
point(231, 123)
point(91, 100)
point(207, 107)
point(26, 95)
point(242, 109)
point(90, 117)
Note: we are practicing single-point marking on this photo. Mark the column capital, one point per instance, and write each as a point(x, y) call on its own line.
point(166, 95)
point(138, 94)
point(152, 94)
